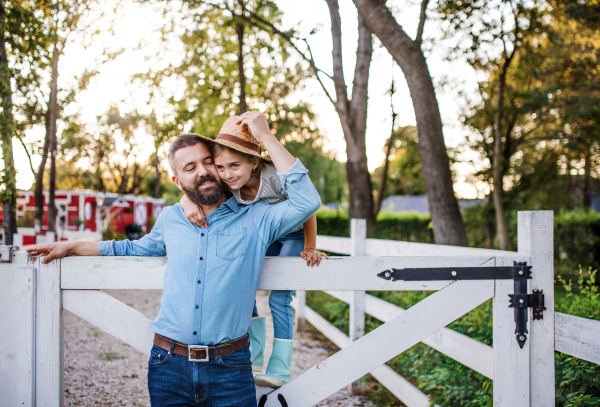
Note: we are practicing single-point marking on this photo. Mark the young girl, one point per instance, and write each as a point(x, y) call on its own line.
point(250, 178)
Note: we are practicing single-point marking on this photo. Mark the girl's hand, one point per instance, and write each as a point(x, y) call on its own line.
point(257, 124)
point(313, 257)
point(193, 212)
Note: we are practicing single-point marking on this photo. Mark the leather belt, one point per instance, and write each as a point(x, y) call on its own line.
point(202, 353)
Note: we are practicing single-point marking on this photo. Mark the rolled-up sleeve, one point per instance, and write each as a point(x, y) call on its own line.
point(151, 244)
point(285, 217)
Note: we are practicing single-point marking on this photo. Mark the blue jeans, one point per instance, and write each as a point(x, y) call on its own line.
point(223, 382)
point(290, 245)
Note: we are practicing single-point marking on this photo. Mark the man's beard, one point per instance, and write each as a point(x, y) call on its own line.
point(206, 196)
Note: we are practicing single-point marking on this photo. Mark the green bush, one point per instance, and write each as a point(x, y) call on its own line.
point(576, 234)
point(449, 383)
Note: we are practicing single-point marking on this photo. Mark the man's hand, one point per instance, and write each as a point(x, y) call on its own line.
point(51, 251)
point(256, 122)
point(193, 212)
point(313, 257)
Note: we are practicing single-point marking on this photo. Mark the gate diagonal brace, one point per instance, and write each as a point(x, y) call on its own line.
point(520, 272)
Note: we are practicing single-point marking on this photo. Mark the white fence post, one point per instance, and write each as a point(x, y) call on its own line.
point(16, 328)
point(358, 238)
point(48, 336)
point(300, 310)
point(536, 240)
point(511, 363)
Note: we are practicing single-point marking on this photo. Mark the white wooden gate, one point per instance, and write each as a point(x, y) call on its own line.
point(31, 373)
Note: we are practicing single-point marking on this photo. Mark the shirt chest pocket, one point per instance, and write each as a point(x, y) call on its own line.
point(231, 243)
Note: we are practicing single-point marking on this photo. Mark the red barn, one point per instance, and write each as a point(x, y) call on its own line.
point(83, 214)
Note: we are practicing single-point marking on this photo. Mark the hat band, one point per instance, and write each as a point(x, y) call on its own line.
point(239, 141)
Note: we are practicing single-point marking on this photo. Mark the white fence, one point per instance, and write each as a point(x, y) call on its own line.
point(31, 372)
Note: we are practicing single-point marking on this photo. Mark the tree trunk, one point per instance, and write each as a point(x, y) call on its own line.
point(448, 226)
point(9, 197)
point(53, 142)
point(384, 174)
point(242, 75)
point(587, 178)
point(353, 116)
point(39, 180)
point(497, 161)
point(156, 175)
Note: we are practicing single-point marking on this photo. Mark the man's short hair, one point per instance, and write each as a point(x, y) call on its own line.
point(182, 141)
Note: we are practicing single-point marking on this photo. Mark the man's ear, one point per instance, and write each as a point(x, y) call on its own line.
point(176, 181)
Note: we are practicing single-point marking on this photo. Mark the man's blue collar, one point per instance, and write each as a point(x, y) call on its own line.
point(232, 204)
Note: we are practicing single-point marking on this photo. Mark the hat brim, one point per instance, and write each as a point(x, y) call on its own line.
point(237, 147)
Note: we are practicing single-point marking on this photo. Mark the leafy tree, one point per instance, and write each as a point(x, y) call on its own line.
point(550, 118)
point(408, 53)
point(23, 38)
point(405, 173)
point(231, 65)
point(491, 34)
point(105, 158)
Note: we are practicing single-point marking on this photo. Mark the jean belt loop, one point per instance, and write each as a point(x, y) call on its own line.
point(170, 354)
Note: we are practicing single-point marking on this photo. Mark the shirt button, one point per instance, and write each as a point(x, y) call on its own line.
point(201, 258)
point(198, 281)
point(194, 332)
point(197, 307)
point(201, 234)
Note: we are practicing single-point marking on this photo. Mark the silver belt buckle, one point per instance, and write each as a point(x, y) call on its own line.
point(196, 347)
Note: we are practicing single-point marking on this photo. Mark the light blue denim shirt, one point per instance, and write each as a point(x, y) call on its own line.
point(212, 274)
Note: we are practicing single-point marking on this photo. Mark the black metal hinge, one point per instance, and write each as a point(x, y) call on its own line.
point(520, 272)
point(458, 273)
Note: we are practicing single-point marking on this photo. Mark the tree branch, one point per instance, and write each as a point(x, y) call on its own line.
point(28, 156)
point(254, 18)
point(422, 18)
point(341, 89)
point(360, 83)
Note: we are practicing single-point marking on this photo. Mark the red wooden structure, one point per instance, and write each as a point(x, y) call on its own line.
point(84, 213)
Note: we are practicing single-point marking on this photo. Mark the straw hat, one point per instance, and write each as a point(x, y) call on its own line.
point(238, 138)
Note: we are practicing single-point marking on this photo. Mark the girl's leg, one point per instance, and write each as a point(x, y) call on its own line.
point(278, 369)
point(258, 330)
point(280, 301)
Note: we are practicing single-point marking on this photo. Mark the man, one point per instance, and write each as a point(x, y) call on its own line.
point(201, 354)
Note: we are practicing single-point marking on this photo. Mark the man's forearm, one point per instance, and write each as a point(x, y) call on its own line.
point(84, 249)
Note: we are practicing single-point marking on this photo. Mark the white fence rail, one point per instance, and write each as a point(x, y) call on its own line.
point(31, 371)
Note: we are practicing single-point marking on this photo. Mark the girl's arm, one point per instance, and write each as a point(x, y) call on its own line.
point(309, 254)
point(257, 123)
point(193, 212)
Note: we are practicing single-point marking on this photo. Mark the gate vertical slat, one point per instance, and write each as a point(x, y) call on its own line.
point(299, 314)
point(48, 336)
point(536, 240)
point(358, 248)
point(511, 371)
point(16, 331)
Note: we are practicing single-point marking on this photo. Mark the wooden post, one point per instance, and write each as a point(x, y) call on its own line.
point(48, 336)
point(358, 241)
point(300, 310)
point(536, 240)
point(16, 328)
point(511, 363)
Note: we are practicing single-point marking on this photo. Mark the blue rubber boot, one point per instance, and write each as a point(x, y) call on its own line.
point(258, 337)
point(278, 370)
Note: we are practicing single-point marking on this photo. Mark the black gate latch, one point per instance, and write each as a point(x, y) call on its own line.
point(535, 301)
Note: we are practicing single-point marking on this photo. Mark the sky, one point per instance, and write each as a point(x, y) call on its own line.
point(136, 29)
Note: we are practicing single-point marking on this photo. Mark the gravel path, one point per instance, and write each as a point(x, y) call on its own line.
point(102, 371)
